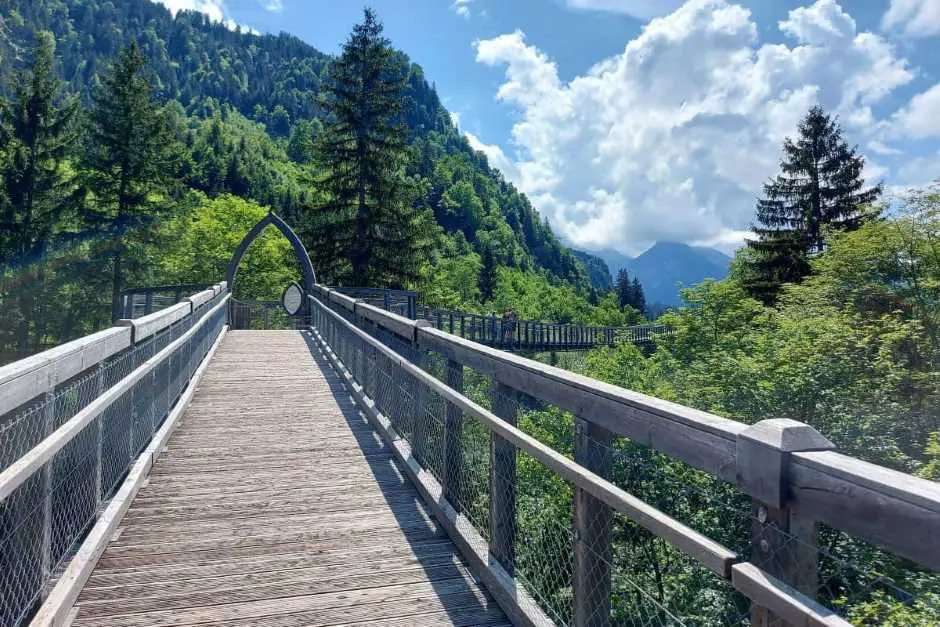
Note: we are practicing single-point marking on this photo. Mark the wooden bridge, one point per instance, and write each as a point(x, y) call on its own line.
point(170, 471)
point(503, 332)
point(371, 468)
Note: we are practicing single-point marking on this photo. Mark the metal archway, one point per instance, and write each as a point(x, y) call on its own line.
point(272, 219)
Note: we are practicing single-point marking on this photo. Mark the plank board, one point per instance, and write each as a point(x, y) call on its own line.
point(276, 504)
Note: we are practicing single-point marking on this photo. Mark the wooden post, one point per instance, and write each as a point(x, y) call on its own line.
point(386, 303)
point(783, 541)
point(591, 579)
point(48, 419)
point(453, 438)
point(503, 482)
point(99, 439)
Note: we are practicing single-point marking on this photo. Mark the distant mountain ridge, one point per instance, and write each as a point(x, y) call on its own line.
point(667, 267)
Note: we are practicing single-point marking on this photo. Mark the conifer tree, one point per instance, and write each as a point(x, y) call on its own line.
point(638, 301)
point(129, 161)
point(38, 135)
point(487, 282)
point(820, 187)
point(624, 288)
point(367, 232)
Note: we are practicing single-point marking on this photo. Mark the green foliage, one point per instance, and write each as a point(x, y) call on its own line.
point(204, 239)
point(38, 135)
point(129, 161)
point(821, 187)
point(367, 232)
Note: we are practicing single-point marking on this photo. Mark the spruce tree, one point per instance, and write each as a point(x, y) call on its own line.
point(820, 187)
point(38, 136)
point(638, 297)
point(130, 160)
point(624, 288)
point(367, 232)
point(487, 281)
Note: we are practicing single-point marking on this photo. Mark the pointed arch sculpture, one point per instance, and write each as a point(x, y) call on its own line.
point(272, 219)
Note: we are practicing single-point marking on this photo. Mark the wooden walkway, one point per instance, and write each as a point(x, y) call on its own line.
point(276, 504)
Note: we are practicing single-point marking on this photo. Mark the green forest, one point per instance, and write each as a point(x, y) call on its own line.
point(232, 148)
point(138, 148)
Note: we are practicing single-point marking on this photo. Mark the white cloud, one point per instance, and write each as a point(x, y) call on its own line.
point(275, 6)
point(672, 139)
point(640, 9)
point(819, 23)
point(462, 8)
point(921, 117)
point(918, 18)
point(215, 9)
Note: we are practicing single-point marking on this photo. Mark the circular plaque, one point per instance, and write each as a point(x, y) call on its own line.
point(292, 299)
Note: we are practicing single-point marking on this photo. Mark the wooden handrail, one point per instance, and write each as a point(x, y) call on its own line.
point(891, 509)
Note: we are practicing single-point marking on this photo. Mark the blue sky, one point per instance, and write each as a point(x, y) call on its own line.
point(631, 121)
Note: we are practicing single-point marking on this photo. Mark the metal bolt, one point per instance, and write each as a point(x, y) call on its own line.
point(762, 514)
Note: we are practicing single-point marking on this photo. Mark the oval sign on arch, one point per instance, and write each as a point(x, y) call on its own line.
point(292, 299)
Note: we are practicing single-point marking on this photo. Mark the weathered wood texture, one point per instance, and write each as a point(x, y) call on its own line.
point(276, 504)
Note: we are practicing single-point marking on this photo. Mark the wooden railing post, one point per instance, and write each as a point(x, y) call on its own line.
point(48, 418)
point(783, 542)
point(453, 437)
point(503, 482)
point(591, 579)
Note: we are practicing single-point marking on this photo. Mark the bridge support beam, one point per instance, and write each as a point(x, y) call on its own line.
point(783, 542)
point(591, 579)
point(503, 482)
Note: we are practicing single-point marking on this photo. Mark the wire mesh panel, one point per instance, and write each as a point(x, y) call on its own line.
point(44, 519)
point(580, 560)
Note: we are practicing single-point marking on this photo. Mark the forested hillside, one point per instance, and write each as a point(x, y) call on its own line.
point(277, 81)
point(246, 115)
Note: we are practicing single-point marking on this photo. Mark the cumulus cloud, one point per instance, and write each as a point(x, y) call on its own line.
point(921, 117)
point(672, 139)
point(640, 9)
point(275, 6)
point(918, 18)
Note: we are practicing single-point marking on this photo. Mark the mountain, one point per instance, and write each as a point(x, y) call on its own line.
point(669, 266)
point(598, 270)
point(274, 82)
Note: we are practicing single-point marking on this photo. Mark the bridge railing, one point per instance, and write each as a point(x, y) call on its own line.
point(500, 332)
point(582, 503)
point(74, 421)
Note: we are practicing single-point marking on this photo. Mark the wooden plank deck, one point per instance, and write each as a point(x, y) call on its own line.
point(276, 504)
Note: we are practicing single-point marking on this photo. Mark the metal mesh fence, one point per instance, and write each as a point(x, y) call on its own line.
point(604, 568)
point(45, 518)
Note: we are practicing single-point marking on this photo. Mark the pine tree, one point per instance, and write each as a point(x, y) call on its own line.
point(130, 160)
point(639, 298)
point(487, 282)
point(624, 288)
point(820, 187)
point(38, 135)
point(367, 232)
